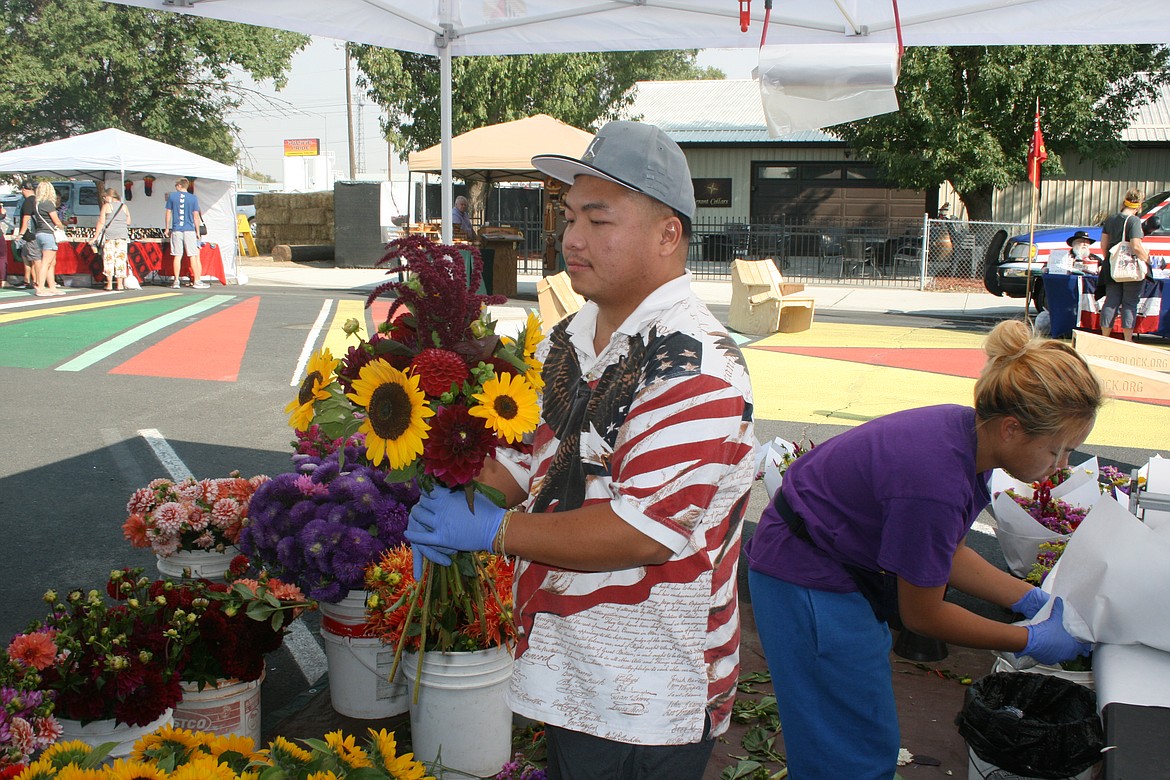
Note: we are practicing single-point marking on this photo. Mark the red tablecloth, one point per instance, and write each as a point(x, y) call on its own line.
point(144, 257)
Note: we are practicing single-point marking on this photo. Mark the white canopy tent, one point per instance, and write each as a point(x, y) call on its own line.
point(446, 28)
point(112, 157)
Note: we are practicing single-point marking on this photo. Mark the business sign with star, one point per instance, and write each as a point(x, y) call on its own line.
point(713, 193)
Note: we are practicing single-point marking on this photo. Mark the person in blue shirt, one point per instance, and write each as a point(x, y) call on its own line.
point(460, 221)
point(183, 222)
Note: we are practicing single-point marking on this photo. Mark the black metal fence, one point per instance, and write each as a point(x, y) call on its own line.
point(893, 253)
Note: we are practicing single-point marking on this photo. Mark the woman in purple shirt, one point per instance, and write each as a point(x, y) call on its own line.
point(870, 526)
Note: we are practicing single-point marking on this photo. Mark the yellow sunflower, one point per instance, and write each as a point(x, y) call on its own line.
point(127, 769)
point(508, 404)
point(77, 773)
point(406, 768)
point(286, 754)
point(218, 744)
point(168, 740)
point(69, 751)
point(396, 412)
point(203, 767)
point(41, 769)
point(318, 377)
point(532, 334)
point(347, 750)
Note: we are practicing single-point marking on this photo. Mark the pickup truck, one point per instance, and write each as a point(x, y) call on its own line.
point(1005, 266)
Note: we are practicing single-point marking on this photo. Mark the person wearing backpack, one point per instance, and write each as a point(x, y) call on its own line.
point(1122, 226)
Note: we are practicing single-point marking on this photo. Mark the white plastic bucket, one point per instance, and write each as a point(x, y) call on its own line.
point(461, 721)
point(359, 665)
point(231, 707)
point(979, 769)
point(196, 564)
point(99, 732)
point(351, 610)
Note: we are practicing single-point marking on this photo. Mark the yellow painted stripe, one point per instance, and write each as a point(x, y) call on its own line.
point(800, 389)
point(16, 316)
point(335, 338)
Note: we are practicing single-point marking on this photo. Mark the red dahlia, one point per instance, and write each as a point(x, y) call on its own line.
point(438, 369)
point(455, 449)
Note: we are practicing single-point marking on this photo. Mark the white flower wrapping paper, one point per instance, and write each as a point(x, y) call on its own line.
point(1019, 534)
point(1114, 576)
point(769, 459)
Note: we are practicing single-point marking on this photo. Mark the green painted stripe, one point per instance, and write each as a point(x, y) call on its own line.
point(47, 340)
point(132, 336)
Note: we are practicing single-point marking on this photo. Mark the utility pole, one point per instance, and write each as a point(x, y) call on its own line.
point(349, 115)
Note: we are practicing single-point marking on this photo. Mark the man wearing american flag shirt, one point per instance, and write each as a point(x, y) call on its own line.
point(629, 508)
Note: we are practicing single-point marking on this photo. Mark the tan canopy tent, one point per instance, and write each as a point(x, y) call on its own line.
point(503, 152)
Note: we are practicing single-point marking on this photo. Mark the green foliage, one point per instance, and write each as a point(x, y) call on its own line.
point(967, 113)
point(581, 89)
point(76, 66)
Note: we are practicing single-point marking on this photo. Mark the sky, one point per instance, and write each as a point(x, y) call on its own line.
point(313, 106)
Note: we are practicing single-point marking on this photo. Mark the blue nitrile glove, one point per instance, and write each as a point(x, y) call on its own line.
point(1031, 602)
point(441, 524)
point(1049, 643)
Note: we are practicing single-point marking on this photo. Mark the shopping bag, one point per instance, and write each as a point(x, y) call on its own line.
point(1124, 265)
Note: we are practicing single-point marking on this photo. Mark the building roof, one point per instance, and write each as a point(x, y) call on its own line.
point(730, 111)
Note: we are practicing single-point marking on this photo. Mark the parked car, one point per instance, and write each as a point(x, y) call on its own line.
point(78, 203)
point(1005, 266)
point(246, 205)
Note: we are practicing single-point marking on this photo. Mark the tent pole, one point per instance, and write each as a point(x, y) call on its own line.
point(445, 131)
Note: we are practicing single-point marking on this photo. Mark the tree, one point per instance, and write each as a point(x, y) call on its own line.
point(580, 89)
point(967, 113)
point(77, 66)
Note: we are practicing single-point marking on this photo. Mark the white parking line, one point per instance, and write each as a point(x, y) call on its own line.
point(166, 454)
point(306, 651)
point(310, 340)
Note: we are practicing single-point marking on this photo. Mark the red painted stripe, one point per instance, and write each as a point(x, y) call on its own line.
point(211, 348)
point(952, 362)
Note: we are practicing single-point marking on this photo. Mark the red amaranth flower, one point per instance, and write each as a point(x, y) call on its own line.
point(438, 369)
point(457, 446)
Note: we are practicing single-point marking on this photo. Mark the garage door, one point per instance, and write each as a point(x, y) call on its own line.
point(818, 191)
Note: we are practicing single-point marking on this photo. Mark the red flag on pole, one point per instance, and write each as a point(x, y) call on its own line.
point(1037, 153)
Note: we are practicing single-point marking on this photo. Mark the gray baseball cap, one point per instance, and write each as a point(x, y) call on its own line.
point(635, 155)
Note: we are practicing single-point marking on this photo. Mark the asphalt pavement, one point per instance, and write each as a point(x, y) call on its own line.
point(80, 412)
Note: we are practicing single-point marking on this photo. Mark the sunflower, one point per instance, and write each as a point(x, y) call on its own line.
point(347, 751)
point(125, 769)
point(318, 376)
point(509, 405)
point(396, 413)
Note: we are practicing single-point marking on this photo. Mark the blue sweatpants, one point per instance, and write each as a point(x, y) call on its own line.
point(830, 664)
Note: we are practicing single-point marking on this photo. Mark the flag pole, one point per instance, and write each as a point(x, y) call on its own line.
point(1037, 153)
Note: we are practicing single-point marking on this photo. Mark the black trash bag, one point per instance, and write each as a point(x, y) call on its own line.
point(1033, 725)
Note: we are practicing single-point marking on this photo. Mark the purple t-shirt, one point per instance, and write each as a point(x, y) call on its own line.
point(897, 494)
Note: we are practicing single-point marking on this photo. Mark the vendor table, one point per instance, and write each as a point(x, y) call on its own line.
point(501, 254)
point(145, 257)
point(1071, 303)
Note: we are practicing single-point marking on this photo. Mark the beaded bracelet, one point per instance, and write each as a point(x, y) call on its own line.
point(498, 542)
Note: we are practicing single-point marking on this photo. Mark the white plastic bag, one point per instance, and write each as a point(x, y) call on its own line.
point(132, 282)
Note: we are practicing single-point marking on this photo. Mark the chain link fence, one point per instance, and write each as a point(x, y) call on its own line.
point(917, 254)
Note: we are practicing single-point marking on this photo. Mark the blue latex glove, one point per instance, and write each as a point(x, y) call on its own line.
point(1031, 602)
point(1049, 643)
point(441, 524)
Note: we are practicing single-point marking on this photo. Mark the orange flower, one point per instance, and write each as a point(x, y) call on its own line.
point(35, 650)
point(134, 529)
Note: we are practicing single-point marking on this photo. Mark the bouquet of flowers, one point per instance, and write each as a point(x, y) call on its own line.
point(204, 514)
point(120, 659)
point(1052, 513)
point(321, 526)
point(27, 724)
point(458, 621)
point(1046, 558)
point(179, 753)
point(774, 458)
point(239, 625)
point(433, 393)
